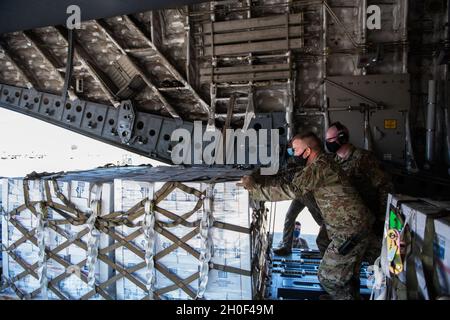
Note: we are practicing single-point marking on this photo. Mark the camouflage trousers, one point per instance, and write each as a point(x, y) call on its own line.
point(294, 210)
point(322, 240)
point(373, 250)
point(339, 274)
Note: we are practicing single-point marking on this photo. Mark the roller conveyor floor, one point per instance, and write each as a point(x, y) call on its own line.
point(294, 277)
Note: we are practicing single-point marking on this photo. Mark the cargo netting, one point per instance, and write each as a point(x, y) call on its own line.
point(170, 240)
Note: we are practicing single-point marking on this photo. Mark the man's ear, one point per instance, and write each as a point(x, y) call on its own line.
point(307, 152)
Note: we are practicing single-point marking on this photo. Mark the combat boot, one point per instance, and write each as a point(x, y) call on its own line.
point(282, 251)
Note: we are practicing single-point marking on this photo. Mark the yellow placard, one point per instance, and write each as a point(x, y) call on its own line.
point(390, 124)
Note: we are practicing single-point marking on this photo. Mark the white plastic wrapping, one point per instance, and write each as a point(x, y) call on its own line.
point(230, 204)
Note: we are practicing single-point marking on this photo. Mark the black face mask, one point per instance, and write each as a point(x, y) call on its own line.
point(299, 160)
point(333, 147)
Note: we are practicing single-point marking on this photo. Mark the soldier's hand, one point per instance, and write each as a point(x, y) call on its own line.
point(247, 182)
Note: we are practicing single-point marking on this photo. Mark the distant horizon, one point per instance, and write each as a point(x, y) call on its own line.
point(310, 239)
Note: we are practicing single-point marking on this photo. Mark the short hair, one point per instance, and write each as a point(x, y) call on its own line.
point(297, 223)
point(338, 126)
point(311, 140)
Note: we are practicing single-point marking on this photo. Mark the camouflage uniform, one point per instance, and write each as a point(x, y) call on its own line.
point(374, 185)
point(343, 212)
point(300, 243)
point(295, 208)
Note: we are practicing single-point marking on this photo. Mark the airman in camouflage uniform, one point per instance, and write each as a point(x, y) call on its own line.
point(366, 175)
point(343, 212)
point(294, 209)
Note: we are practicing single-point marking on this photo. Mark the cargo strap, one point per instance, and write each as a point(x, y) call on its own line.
point(261, 246)
point(148, 229)
point(412, 283)
point(94, 236)
point(426, 256)
point(224, 268)
point(97, 223)
point(410, 290)
point(207, 246)
point(41, 231)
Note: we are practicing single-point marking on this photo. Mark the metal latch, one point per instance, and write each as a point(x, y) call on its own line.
point(126, 121)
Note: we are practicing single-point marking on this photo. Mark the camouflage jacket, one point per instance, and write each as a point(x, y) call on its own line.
point(343, 211)
point(366, 175)
point(300, 243)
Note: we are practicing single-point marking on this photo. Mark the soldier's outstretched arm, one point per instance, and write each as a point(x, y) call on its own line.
point(288, 186)
point(276, 191)
point(268, 188)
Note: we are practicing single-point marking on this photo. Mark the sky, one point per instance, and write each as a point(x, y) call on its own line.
point(63, 150)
